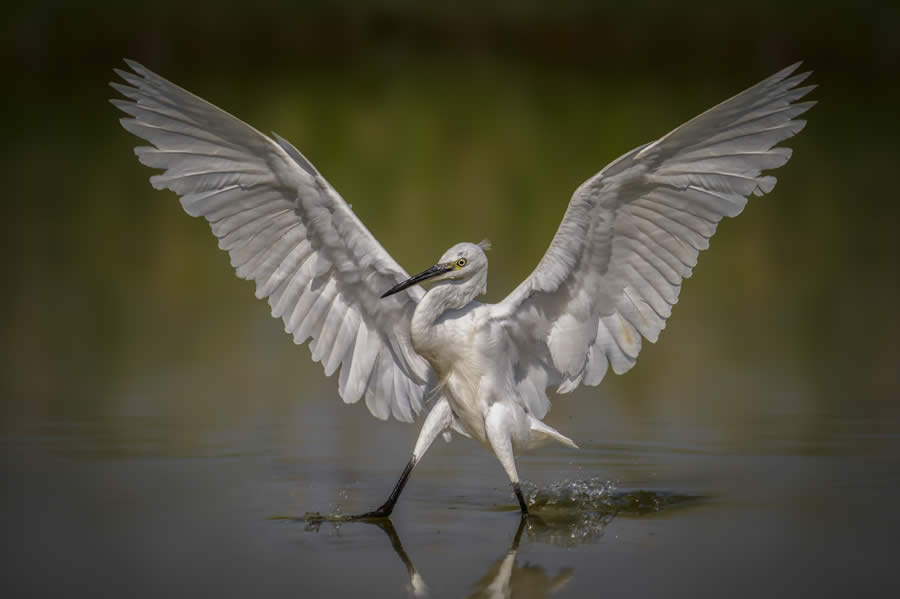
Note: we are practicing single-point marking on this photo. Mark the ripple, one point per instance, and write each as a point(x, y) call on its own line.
point(573, 512)
point(565, 513)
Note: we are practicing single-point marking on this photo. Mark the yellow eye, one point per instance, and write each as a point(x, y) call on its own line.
point(461, 262)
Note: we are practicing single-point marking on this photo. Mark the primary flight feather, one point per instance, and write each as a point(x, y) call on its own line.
point(610, 277)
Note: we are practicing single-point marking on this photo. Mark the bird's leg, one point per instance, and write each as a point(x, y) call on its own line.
point(388, 506)
point(522, 504)
point(439, 418)
point(497, 422)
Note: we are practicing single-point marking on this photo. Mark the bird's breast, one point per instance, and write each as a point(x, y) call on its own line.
point(444, 341)
point(459, 349)
point(442, 346)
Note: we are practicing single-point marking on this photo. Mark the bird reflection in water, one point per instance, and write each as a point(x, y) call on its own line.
point(565, 514)
point(506, 577)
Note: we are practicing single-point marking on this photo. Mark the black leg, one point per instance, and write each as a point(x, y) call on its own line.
point(521, 499)
point(385, 510)
point(515, 543)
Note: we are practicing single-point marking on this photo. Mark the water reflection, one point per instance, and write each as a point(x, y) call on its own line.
point(507, 577)
point(564, 514)
point(417, 586)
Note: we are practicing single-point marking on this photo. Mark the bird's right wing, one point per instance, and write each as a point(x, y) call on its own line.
point(287, 229)
point(632, 233)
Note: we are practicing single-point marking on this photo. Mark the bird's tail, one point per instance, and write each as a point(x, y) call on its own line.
point(541, 432)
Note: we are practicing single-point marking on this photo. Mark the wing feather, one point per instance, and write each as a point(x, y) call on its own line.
point(287, 229)
point(633, 232)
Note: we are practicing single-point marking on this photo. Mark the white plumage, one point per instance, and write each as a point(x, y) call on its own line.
point(287, 229)
point(610, 277)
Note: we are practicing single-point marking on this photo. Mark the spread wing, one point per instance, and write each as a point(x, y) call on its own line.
point(632, 233)
point(287, 229)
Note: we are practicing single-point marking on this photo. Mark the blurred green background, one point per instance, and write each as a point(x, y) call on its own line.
point(155, 414)
point(442, 123)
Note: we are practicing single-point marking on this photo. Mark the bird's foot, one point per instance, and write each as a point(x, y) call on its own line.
point(380, 513)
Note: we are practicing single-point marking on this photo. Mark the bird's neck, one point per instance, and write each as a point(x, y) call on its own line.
point(444, 296)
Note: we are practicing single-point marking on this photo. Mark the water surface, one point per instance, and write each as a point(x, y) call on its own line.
point(151, 515)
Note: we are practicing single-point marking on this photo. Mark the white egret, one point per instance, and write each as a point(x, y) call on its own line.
point(611, 275)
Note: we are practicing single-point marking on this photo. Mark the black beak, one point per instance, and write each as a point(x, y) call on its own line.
point(437, 269)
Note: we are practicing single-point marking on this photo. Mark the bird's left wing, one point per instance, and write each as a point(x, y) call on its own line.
point(288, 230)
point(632, 233)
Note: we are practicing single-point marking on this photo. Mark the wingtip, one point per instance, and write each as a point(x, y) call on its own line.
point(119, 87)
point(789, 70)
point(786, 72)
point(134, 65)
point(799, 78)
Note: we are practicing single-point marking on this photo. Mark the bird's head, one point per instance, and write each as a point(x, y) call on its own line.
point(464, 263)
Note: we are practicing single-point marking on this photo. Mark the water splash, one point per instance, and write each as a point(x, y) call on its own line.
point(565, 513)
point(313, 520)
point(572, 512)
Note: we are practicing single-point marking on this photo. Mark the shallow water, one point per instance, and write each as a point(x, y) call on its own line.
point(153, 515)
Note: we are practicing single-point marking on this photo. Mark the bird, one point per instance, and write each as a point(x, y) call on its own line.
point(629, 236)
